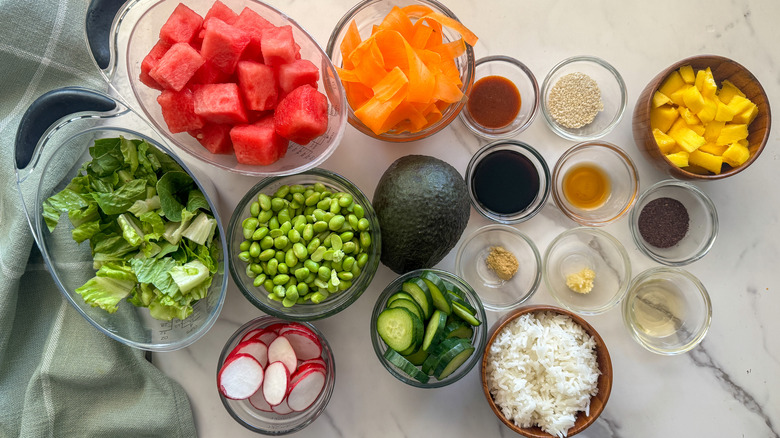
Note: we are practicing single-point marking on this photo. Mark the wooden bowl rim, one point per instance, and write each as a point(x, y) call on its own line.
point(656, 82)
point(601, 349)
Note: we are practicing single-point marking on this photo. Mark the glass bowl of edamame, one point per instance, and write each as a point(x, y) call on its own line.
point(304, 247)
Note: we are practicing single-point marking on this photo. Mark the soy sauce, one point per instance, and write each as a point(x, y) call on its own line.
point(505, 182)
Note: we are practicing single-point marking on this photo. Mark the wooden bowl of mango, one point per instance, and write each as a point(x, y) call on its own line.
point(702, 118)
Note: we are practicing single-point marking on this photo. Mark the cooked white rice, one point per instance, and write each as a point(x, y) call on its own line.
point(542, 370)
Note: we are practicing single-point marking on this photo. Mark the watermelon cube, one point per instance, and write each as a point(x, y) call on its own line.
point(302, 115)
point(177, 66)
point(223, 44)
point(178, 110)
point(278, 46)
point(221, 11)
point(150, 61)
point(182, 26)
point(253, 24)
point(208, 73)
point(219, 103)
point(258, 143)
point(215, 137)
point(258, 85)
point(297, 73)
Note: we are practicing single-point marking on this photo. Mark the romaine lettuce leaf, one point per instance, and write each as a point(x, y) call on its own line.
point(119, 201)
point(189, 275)
point(105, 292)
point(174, 189)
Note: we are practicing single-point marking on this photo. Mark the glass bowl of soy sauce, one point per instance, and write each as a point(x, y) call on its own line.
point(508, 181)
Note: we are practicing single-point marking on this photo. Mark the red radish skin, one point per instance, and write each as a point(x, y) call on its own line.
point(276, 383)
point(318, 360)
point(305, 369)
point(280, 350)
point(240, 377)
point(250, 334)
point(254, 348)
point(296, 326)
point(306, 390)
point(306, 346)
point(266, 336)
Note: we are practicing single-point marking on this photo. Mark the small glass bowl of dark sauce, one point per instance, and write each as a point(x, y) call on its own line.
point(504, 100)
point(508, 181)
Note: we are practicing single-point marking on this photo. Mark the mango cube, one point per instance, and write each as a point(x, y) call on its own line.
point(665, 143)
point(724, 113)
point(712, 131)
point(739, 104)
point(687, 74)
point(736, 155)
point(685, 137)
point(663, 117)
point(713, 163)
point(688, 115)
point(714, 149)
point(729, 90)
point(660, 99)
point(708, 112)
point(705, 82)
point(679, 159)
point(693, 99)
point(671, 84)
point(732, 133)
point(677, 96)
point(747, 115)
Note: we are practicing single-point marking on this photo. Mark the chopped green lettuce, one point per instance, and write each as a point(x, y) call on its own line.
point(134, 203)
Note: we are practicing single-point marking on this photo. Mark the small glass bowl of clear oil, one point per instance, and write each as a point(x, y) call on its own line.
point(667, 310)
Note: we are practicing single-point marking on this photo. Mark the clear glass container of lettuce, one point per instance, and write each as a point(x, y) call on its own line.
point(130, 235)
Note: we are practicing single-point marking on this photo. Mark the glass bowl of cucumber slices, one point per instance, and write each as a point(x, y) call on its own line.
point(428, 328)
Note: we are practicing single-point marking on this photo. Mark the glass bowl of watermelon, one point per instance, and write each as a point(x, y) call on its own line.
point(197, 71)
point(396, 103)
point(303, 247)
point(276, 377)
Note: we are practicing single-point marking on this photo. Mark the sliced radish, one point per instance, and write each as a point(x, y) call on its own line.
point(250, 334)
point(296, 326)
point(306, 390)
point(276, 383)
point(257, 400)
point(318, 360)
point(306, 345)
point(266, 336)
point(276, 327)
point(280, 350)
point(283, 408)
point(254, 348)
point(240, 376)
point(306, 366)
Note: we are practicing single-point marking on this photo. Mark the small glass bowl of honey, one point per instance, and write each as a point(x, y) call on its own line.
point(595, 183)
point(504, 100)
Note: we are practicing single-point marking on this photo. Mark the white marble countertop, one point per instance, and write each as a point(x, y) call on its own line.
point(729, 386)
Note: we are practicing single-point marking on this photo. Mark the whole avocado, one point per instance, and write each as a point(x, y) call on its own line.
point(423, 207)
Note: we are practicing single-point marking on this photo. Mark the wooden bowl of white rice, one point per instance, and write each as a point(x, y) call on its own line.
point(546, 372)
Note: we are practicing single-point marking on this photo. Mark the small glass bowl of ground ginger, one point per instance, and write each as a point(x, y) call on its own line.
point(583, 98)
point(674, 223)
point(502, 264)
point(587, 270)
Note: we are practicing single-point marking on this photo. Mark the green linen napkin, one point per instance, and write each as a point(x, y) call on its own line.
point(59, 376)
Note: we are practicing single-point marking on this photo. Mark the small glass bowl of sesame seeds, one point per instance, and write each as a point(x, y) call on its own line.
point(583, 98)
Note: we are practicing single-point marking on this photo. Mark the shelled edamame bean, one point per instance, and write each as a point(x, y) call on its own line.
point(304, 243)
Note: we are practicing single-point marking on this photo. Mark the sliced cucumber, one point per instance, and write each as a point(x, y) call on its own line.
point(464, 314)
point(396, 296)
point(453, 358)
point(420, 292)
point(454, 290)
point(399, 328)
point(434, 331)
point(417, 358)
point(406, 366)
point(436, 353)
point(411, 305)
point(438, 291)
point(458, 329)
point(462, 301)
point(430, 363)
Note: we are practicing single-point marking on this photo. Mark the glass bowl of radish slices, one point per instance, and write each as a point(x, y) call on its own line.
point(274, 376)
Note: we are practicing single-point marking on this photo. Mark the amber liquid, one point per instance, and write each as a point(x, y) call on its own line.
point(586, 186)
point(494, 102)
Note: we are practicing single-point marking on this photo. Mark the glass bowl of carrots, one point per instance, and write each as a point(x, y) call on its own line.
point(406, 67)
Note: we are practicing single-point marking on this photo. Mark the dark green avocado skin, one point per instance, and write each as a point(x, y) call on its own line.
point(423, 207)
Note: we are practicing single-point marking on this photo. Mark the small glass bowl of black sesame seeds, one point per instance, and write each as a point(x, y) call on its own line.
point(583, 98)
point(674, 223)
